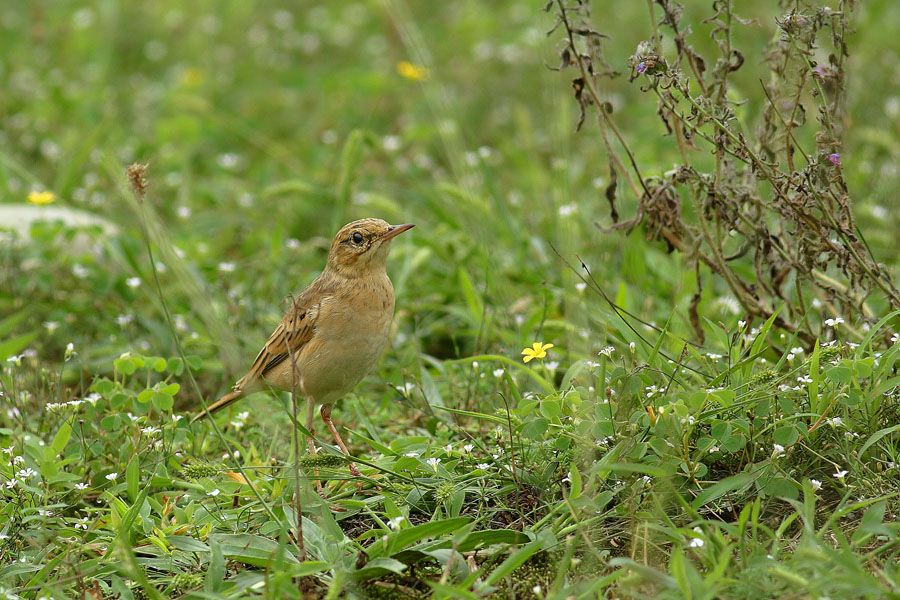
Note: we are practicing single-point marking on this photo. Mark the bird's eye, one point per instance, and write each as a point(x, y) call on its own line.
point(357, 237)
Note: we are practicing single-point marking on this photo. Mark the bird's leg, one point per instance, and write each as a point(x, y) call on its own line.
point(326, 416)
point(310, 442)
point(310, 411)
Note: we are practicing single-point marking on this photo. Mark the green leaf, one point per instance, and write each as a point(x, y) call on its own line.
point(863, 366)
point(10, 322)
point(786, 436)
point(551, 408)
point(61, 438)
point(873, 439)
point(780, 487)
point(215, 573)
point(175, 366)
point(724, 397)
point(470, 295)
point(13, 345)
point(839, 374)
point(513, 562)
point(378, 567)
point(483, 539)
point(403, 539)
point(163, 401)
point(133, 477)
point(729, 484)
point(535, 429)
point(252, 549)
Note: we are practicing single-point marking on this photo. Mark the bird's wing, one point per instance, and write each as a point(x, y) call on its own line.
point(296, 329)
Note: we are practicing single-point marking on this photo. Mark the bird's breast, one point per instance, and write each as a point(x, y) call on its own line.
point(352, 331)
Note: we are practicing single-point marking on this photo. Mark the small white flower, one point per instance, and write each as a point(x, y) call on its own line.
point(567, 478)
point(133, 282)
point(70, 350)
point(581, 286)
point(411, 455)
point(835, 422)
point(9, 450)
point(840, 474)
point(797, 350)
point(483, 466)
point(713, 356)
point(81, 486)
point(448, 448)
point(433, 462)
point(45, 513)
point(227, 267)
point(696, 543)
point(607, 352)
point(51, 326)
point(537, 590)
point(79, 271)
point(124, 320)
point(742, 324)
point(468, 448)
point(713, 449)
point(568, 209)
point(632, 347)
point(390, 143)
point(833, 322)
point(18, 460)
point(395, 522)
point(292, 243)
point(552, 365)
point(777, 450)
point(183, 212)
point(406, 388)
point(804, 379)
point(150, 430)
point(816, 484)
point(213, 493)
point(26, 473)
point(498, 373)
point(11, 483)
point(82, 524)
point(112, 476)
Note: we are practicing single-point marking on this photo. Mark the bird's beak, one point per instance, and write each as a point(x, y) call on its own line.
point(396, 230)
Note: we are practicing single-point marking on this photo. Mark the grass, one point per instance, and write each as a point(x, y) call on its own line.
point(628, 462)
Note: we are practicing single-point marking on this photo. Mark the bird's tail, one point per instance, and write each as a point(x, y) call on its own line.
point(221, 403)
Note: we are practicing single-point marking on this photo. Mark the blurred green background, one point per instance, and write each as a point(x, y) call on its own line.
point(268, 124)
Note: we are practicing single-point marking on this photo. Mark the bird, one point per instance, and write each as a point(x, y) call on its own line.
point(334, 331)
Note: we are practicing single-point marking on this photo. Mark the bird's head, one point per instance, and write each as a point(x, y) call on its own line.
point(362, 246)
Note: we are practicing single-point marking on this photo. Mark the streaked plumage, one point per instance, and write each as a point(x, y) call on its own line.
point(335, 329)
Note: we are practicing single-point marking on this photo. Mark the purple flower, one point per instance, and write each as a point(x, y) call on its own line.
point(835, 159)
point(642, 67)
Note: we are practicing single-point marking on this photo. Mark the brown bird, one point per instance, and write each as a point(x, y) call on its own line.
point(334, 331)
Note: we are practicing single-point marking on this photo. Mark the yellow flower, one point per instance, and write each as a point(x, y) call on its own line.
point(412, 72)
point(41, 198)
point(192, 77)
point(537, 350)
